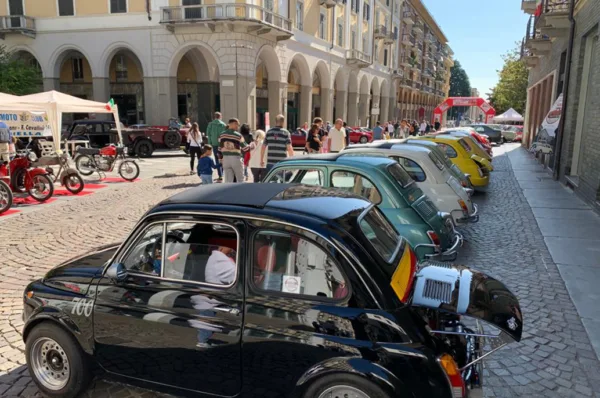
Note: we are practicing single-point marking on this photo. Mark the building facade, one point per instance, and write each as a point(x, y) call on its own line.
point(546, 53)
point(189, 58)
point(475, 112)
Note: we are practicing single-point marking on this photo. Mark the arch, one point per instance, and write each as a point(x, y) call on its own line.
point(31, 55)
point(385, 91)
point(353, 82)
point(375, 87)
point(269, 58)
point(364, 85)
point(61, 53)
point(202, 54)
point(324, 76)
point(299, 63)
point(114, 49)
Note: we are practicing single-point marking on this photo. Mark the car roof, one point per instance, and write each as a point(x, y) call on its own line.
point(444, 137)
point(408, 147)
point(326, 203)
point(342, 158)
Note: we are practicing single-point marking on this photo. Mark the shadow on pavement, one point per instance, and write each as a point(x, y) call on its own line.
point(181, 186)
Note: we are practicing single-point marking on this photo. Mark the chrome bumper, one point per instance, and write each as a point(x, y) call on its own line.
point(471, 218)
point(448, 254)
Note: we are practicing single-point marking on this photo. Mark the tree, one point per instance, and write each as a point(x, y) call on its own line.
point(460, 86)
point(18, 76)
point(511, 90)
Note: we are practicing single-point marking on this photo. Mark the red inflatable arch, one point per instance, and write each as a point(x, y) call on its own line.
point(464, 101)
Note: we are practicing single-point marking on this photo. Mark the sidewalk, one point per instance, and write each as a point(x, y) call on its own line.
point(571, 231)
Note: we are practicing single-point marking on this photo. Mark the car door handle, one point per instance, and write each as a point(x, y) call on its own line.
point(228, 310)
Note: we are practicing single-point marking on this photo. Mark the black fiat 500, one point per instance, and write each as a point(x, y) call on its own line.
point(264, 290)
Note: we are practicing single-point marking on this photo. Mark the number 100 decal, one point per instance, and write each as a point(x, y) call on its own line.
point(83, 307)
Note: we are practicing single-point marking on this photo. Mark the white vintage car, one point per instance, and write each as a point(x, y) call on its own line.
point(431, 175)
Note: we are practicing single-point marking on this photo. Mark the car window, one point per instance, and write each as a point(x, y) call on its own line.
point(288, 263)
point(298, 176)
point(357, 184)
point(450, 152)
point(479, 129)
point(438, 163)
point(465, 145)
point(400, 175)
point(412, 168)
point(200, 252)
point(380, 233)
point(145, 254)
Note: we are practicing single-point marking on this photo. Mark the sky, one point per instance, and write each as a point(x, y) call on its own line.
point(480, 32)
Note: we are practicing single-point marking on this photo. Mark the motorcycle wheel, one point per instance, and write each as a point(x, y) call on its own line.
point(129, 170)
point(6, 197)
point(85, 165)
point(73, 183)
point(42, 189)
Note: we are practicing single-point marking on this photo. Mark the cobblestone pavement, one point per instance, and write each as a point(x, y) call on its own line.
point(555, 358)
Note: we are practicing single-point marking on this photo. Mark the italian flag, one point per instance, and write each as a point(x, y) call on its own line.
point(538, 8)
point(110, 104)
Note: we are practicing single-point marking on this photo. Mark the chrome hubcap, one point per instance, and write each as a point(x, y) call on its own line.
point(39, 187)
point(3, 198)
point(343, 392)
point(50, 364)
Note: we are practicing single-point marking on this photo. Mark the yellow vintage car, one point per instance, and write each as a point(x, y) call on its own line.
point(461, 152)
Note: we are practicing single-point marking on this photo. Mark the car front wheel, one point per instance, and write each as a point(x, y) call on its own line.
point(344, 385)
point(363, 140)
point(56, 362)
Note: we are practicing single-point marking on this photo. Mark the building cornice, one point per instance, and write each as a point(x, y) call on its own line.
point(428, 18)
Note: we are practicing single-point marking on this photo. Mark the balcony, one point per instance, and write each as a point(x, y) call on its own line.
point(528, 6)
point(408, 40)
point(416, 85)
point(417, 28)
point(382, 32)
point(555, 14)
point(330, 3)
point(247, 18)
point(428, 72)
point(535, 41)
point(358, 59)
point(405, 82)
point(19, 24)
point(397, 74)
point(405, 62)
point(408, 18)
point(531, 60)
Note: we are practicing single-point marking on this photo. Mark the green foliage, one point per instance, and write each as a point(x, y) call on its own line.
point(511, 90)
point(18, 76)
point(460, 86)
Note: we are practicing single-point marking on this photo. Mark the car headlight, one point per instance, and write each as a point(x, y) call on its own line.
point(32, 157)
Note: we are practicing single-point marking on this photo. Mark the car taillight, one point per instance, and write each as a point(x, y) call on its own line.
point(463, 206)
point(435, 239)
point(453, 373)
point(403, 278)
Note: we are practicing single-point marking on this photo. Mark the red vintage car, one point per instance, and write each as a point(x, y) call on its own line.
point(360, 135)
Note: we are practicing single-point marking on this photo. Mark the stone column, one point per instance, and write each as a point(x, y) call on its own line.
point(101, 87)
point(341, 102)
point(305, 111)
point(363, 109)
point(275, 99)
point(352, 109)
point(374, 118)
point(160, 100)
point(327, 105)
point(384, 108)
point(51, 83)
point(237, 99)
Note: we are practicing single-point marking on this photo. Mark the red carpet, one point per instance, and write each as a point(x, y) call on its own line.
point(89, 185)
point(10, 212)
point(117, 179)
point(64, 192)
point(29, 201)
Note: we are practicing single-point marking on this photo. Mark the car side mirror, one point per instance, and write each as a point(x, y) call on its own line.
point(117, 272)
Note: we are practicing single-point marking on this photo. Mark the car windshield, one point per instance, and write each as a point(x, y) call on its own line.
point(380, 233)
point(465, 145)
point(400, 175)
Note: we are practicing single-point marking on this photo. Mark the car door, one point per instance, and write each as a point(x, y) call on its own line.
point(297, 309)
point(176, 318)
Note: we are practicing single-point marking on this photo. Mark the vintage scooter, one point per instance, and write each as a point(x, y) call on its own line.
point(68, 176)
point(22, 177)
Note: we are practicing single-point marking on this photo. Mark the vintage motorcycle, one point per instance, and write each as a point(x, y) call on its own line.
point(90, 160)
point(22, 177)
point(68, 176)
point(6, 197)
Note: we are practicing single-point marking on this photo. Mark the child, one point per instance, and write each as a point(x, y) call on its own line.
point(206, 165)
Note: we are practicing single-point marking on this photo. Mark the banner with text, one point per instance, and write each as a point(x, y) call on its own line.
point(27, 124)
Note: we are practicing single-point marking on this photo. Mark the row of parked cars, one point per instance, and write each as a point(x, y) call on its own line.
point(326, 280)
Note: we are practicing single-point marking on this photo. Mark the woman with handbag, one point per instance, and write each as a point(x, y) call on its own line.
point(194, 139)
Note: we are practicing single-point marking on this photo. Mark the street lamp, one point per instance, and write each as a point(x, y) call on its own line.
point(237, 93)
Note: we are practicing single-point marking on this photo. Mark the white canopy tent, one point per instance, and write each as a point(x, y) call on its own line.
point(509, 116)
point(55, 104)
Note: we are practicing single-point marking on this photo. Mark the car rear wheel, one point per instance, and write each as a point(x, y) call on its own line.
point(363, 140)
point(344, 385)
point(172, 139)
point(144, 148)
point(56, 363)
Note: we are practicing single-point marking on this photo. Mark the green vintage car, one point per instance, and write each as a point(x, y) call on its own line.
point(384, 182)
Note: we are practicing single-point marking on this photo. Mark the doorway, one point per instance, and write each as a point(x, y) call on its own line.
point(127, 104)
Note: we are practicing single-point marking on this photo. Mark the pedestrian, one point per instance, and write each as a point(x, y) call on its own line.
point(390, 130)
point(258, 171)
point(245, 132)
point(213, 130)
point(313, 142)
point(377, 132)
point(427, 128)
point(422, 127)
point(347, 134)
point(279, 143)
point(194, 140)
point(337, 137)
point(188, 123)
point(322, 134)
point(206, 165)
point(397, 129)
point(437, 125)
point(231, 143)
point(328, 127)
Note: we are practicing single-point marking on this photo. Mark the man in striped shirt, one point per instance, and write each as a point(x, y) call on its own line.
point(231, 142)
point(279, 142)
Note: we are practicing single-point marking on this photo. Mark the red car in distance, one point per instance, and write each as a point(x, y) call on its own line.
point(360, 135)
point(481, 139)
